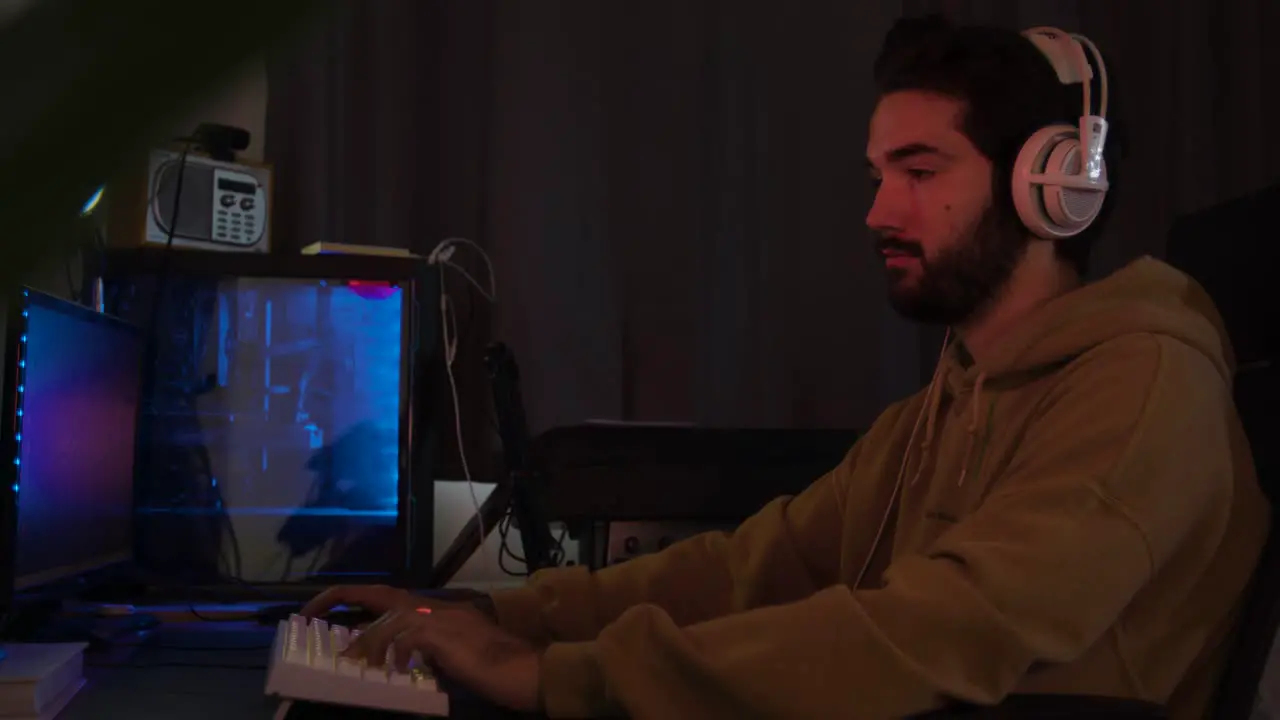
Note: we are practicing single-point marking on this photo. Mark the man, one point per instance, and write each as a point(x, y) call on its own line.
point(1068, 507)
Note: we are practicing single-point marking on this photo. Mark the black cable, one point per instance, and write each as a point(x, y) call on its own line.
point(558, 555)
point(251, 616)
point(163, 281)
point(465, 331)
point(194, 648)
point(214, 594)
point(202, 666)
point(233, 545)
point(160, 299)
point(505, 551)
point(504, 528)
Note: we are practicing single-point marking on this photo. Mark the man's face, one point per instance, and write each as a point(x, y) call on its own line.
point(947, 249)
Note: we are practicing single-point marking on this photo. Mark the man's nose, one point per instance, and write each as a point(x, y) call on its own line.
point(886, 215)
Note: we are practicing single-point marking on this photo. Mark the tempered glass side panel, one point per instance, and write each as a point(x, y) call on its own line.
point(271, 435)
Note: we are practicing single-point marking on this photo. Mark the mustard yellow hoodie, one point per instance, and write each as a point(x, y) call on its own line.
point(1079, 515)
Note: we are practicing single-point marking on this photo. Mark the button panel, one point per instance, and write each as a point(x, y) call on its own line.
point(627, 540)
point(239, 215)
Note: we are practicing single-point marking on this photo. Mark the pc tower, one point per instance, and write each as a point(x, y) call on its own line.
point(278, 440)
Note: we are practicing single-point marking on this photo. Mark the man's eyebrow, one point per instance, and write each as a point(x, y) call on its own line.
point(908, 151)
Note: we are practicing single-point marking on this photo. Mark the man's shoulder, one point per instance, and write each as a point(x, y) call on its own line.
point(1150, 366)
point(1138, 394)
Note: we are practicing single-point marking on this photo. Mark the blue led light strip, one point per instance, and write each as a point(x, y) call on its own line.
point(22, 381)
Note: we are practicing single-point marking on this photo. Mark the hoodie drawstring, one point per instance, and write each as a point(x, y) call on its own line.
point(928, 417)
point(975, 416)
point(929, 414)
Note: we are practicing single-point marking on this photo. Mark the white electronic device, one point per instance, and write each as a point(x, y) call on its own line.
point(306, 664)
point(223, 205)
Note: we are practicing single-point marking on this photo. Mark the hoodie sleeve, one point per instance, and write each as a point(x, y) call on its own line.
point(783, 553)
point(1130, 452)
point(775, 556)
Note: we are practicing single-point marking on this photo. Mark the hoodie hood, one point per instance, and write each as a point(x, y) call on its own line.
point(1146, 296)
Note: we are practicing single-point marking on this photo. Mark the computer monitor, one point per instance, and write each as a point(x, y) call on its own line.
point(277, 428)
point(71, 395)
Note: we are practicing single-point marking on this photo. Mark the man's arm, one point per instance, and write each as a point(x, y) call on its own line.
point(696, 579)
point(785, 552)
point(1132, 455)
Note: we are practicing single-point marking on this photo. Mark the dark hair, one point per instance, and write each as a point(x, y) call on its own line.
point(1009, 89)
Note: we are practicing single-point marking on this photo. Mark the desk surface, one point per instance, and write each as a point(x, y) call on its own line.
point(182, 671)
point(187, 669)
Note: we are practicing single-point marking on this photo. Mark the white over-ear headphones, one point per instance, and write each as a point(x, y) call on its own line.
point(1060, 178)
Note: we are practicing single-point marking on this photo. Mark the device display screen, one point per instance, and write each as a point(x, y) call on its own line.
point(78, 391)
point(237, 186)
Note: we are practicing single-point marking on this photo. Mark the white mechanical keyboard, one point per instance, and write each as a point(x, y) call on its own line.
point(305, 665)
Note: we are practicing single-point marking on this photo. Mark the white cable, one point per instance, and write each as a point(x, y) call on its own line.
point(440, 256)
point(487, 294)
point(448, 323)
point(444, 252)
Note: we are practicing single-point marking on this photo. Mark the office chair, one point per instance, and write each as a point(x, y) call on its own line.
point(1238, 281)
point(1257, 396)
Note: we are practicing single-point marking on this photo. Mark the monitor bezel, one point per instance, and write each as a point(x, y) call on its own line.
point(414, 276)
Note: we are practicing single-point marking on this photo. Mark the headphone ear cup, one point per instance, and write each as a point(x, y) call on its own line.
point(1047, 209)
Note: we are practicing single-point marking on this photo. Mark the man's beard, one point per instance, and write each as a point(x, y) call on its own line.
point(963, 280)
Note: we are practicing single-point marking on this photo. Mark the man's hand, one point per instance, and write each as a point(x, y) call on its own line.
point(377, 599)
point(463, 644)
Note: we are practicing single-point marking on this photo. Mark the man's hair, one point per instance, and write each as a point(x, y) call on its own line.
point(1009, 90)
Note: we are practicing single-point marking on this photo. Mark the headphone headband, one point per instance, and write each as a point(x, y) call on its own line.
point(1066, 53)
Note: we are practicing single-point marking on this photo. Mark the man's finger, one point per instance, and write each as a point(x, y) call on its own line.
point(408, 643)
point(359, 645)
point(373, 643)
point(323, 603)
point(326, 601)
point(365, 596)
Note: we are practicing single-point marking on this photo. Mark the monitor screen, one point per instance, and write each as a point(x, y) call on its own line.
point(76, 378)
point(272, 428)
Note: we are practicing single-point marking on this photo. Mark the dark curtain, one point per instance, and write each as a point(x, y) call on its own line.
point(672, 192)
